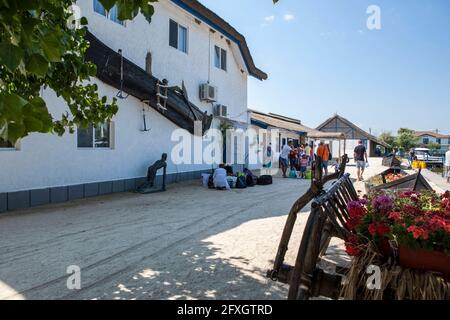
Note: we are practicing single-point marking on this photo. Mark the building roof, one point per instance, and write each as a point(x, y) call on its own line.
point(270, 120)
point(356, 128)
point(204, 14)
point(431, 134)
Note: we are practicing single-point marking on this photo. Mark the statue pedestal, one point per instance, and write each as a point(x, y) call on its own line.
point(149, 190)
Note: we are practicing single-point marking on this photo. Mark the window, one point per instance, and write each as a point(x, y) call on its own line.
point(220, 58)
point(426, 140)
point(178, 37)
point(5, 144)
point(438, 140)
point(95, 137)
point(111, 14)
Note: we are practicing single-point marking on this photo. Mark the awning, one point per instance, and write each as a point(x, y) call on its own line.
point(326, 135)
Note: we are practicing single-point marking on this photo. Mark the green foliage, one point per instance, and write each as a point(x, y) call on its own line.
point(388, 138)
point(39, 48)
point(406, 139)
point(432, 146)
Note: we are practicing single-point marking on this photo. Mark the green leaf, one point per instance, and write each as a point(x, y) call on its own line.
point(10, 55)
point(83, 21)
point(127, 10)
point(108, 4)
point(37, 118)
point(51, 47)
point(12, 105)
point(37, 65)
point(15, 131)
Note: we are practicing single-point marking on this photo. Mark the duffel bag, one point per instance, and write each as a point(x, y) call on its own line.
point(265, 180)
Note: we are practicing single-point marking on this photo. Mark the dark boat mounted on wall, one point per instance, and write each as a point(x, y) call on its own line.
point(141, 85)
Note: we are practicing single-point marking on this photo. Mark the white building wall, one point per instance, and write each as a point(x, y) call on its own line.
point(45, 160)
point(138, 37)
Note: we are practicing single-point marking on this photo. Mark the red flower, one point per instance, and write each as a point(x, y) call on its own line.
point(378, 228)
point(353, 222)
point(352, 250)
point(396, 216)
point(383, 229)
point(437, 223)
point(418, 232)
point(373, 229)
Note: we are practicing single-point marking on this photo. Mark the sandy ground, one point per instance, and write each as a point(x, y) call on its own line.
point(187, 243)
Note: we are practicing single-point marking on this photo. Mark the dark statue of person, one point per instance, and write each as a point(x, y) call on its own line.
point(149, 186)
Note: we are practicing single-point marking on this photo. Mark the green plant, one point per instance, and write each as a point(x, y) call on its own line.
point(41, 48)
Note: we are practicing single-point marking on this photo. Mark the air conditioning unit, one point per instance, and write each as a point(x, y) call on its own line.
point(220, 111)
point(208, 93)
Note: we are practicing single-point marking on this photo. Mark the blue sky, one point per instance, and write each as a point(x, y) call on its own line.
point(322, 59)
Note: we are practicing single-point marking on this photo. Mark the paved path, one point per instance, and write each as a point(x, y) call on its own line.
point(187, 243)
point(439, 183)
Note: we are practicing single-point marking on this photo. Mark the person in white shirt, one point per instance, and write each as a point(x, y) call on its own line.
point(284, 157)
point(447, 165)
point(220, 178)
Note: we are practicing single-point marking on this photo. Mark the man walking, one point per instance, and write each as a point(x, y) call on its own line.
point(447, 165)
point(324, 153)
point(360, 155)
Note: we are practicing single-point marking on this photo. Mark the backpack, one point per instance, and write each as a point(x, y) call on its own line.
point(293, 174)
point(265, 180)
point(241, 183)
point(251, 180)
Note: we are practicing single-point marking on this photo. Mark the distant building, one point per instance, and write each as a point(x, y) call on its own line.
point(288, 129)
point(434, 137)
point(352, 134)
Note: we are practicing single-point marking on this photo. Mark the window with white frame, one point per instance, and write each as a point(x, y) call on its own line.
point(220, 58)
point(178, 36)
point(98, 137)
point(111, 14)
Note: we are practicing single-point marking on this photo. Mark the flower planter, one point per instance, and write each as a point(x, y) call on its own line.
point(424, 260)
point(385, 248)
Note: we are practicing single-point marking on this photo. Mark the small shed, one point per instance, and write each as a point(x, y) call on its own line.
point(338, 124)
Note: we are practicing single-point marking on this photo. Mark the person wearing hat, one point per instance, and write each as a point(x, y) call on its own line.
point(447, 165)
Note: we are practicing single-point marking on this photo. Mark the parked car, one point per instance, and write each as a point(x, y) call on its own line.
point(425, 154)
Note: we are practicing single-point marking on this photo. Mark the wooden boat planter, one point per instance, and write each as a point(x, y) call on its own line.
point(305, 278)
point(391, 161)
point(413, 182)
point(127, 77)
point(327, 219)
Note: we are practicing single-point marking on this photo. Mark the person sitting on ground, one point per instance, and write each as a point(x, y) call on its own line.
point(229, 170)
point(303, 166)
point(220, 178)
point(447, 165)
point(284, 158)
point(361, 160)
point(324, 153)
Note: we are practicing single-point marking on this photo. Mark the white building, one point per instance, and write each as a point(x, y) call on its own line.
point(427, 138)
point(184, 42)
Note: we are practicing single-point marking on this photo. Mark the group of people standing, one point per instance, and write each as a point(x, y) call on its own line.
point(299, 158)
